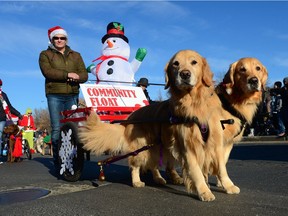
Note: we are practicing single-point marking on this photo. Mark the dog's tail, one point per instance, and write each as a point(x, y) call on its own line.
point(99, 137)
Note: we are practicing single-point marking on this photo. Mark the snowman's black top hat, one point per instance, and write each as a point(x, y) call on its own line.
point(115, 29)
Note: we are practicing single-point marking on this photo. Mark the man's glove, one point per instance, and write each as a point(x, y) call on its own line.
point(141, 53)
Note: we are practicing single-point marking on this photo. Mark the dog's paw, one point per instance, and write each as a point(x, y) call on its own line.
point(219, 184)
point(160, 180)
point(138, 184)
point(233, 190)
point(207, 196)
point(177, 180)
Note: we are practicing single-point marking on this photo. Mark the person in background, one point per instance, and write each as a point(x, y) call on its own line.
point(144, 83)
point(6, 109)
point(27, 123)
point(284, 109)
point(276, 106)
point(45, 133)
point(63, 69)
point(40, 135)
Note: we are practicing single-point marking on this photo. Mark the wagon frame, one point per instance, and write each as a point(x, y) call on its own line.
point(71, 153)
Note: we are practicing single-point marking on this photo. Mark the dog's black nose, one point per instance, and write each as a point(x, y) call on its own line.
point(185, 74)
point(253, 81)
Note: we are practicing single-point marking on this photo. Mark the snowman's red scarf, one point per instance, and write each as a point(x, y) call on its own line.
point(103, 58)
point(5, 106)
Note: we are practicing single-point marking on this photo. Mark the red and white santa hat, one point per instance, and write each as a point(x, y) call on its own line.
point(56, 30)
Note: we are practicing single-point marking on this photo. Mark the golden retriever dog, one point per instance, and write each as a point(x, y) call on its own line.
point(143, 128)
point(182, 128)
point(240, 93)
point(190, 126)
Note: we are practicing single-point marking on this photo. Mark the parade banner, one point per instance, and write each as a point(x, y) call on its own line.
point(96, 95)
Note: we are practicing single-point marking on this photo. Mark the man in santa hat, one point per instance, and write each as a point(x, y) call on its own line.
point(63, 69)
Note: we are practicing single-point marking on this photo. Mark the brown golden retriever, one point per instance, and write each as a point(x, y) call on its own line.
point(13, 132)
point(182, 128)
point(240, 93)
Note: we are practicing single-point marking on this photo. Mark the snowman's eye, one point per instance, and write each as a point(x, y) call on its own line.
point(114, 41)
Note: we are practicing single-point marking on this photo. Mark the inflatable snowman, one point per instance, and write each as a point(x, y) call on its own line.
point(114, 66)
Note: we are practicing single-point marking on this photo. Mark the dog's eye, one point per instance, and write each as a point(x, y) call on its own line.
point(242, 69)
point(176, 63)
point(194, 62)
point(258, 68)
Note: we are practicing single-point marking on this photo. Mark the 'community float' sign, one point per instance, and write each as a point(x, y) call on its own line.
point(113, 96)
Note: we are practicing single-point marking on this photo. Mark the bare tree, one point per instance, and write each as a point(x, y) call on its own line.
point(42, 119)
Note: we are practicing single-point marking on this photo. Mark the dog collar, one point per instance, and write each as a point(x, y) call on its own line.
point(204, 129)
point(226, 105)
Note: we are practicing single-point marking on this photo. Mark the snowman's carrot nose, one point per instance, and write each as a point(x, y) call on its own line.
point(110, 44)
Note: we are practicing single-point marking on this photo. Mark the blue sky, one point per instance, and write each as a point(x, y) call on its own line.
point(222, 32)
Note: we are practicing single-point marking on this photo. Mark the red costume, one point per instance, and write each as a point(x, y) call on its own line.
point(27, 121)
point(17, 151)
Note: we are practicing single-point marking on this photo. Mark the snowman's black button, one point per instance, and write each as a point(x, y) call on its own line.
point(111, 62)
point(110, 71)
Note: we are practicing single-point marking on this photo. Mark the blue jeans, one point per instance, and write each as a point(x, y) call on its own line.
point(284, 116)
point(2, 125)
point(56, 104)
point(280, 128)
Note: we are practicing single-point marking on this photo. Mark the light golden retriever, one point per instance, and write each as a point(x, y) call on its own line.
point(177, 128)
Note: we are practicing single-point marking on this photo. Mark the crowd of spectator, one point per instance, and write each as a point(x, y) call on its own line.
point(272, 115)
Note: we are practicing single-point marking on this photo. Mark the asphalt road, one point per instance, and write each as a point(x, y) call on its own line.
point(260, 170)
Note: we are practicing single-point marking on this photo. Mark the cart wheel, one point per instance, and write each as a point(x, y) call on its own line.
point(26, 149)
point(71, 154)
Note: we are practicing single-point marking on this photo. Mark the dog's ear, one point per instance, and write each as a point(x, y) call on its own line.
point(167, 83)
point(228, 80)
point(207, 73)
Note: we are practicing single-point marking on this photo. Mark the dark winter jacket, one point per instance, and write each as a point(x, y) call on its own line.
point(284, 95)
point(55, 68)
point(12, 109)
point(148, 96)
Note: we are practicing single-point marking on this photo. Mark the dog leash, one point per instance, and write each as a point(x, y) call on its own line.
point(204, 129)
point(117, 158)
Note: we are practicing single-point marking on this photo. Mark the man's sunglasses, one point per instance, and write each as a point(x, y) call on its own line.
point(61, 38)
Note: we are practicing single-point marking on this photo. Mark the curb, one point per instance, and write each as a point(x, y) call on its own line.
point(261, 139)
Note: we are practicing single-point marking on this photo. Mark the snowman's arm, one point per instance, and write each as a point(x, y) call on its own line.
point(91, 69)
point(136, 62)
